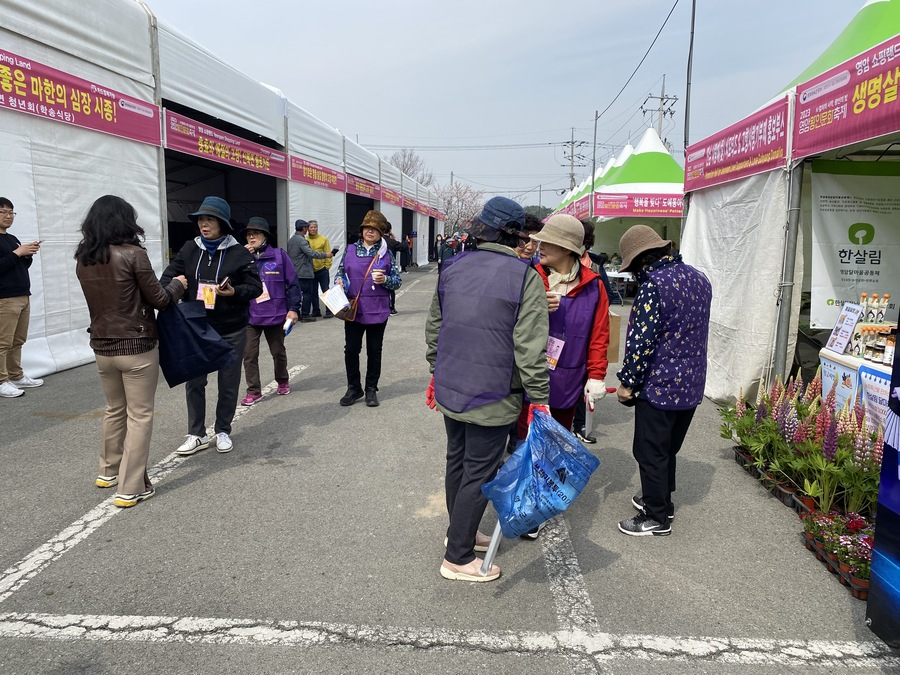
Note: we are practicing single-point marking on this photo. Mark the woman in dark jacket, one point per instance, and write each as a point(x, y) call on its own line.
point(222, 274)
point(122, 291)
point(370, 270)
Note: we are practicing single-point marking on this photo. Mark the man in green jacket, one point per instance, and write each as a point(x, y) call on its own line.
point(486, 338)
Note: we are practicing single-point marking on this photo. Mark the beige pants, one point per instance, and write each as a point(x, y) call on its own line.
point(14, 315)
point(129, 383)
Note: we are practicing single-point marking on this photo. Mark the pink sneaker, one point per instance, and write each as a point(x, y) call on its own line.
point(284, 389)
point(250, 399)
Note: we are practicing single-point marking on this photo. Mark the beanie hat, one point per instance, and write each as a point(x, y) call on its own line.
point(563, 230)
point(637, 240)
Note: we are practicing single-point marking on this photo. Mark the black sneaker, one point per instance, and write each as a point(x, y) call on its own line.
point(352, 396)
point(371, 398)
point(394, 312)
point(643, 525)
point(306, 318)
point(584, 436)
point(535, 533)
point(638, 503)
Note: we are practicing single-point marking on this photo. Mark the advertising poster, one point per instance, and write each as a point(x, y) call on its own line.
point(855, 238)
point(883, 609)
point(846, 377)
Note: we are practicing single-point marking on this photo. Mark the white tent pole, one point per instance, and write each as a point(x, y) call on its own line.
point(786, 287)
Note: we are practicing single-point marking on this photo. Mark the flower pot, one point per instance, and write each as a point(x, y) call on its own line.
point(859, 588)
point(806, 502)
point(785, 494)
point(844, 569)
point(741, 456)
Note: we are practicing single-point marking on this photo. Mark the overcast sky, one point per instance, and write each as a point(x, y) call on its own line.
point(513, 72)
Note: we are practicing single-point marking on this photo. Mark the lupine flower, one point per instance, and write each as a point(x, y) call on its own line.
point(861, 452)
point(761, 412)
point(802, 432)
point(814, 388)
point(777, 390)
point(791, 425)
point(860, 411)
point(823, 421)
point(843, 420)
point(741, 406)
point(878, 448)
point(830, 441)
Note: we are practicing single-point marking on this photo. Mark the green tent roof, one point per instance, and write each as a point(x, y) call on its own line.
point(876, 22)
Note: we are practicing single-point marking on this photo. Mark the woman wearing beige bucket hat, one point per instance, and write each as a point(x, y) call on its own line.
point(664, 368)
point(579, 318)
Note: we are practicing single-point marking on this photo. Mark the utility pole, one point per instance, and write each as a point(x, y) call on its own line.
point(572, 157)
point(662, 109)
point(594, 163)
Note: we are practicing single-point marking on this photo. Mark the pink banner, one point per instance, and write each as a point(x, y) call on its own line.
point(304, 171)
point(362, 187)
point(852, 102)
point(36, 89)
point(409, 203)
point(649, 206)
point(422, 208)
point(756, 144)
point(200, 140)
point(390, 196)
point(582, 207)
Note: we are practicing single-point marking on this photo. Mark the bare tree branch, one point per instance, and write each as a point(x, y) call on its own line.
point(410, 163)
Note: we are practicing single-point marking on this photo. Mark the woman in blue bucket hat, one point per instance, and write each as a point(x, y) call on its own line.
point(222, 274)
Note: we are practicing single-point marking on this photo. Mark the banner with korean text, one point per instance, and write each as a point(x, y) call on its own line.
point(754, 145)
point(647, 205)
point(852, 102)
point(35, 89)
point(391, 196)
point(855, 235)
point(362, 187)
point(304, 171)
point(201, 140)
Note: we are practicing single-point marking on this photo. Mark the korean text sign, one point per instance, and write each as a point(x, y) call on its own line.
point(201, 140)
point(753, 145)
point(36, 89)
point(304, 171)
point(649, 205)
point(362, 187)
point(852, 102)
point(855, 238)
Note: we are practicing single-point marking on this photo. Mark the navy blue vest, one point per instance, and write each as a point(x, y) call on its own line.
point(480, 293)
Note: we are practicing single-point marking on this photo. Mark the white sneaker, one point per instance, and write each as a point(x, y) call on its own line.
point(223, 442)
point(26, 382)
point(192, 444)
point(9, 390)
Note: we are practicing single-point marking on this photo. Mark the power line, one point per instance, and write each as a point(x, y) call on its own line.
point(642, 61)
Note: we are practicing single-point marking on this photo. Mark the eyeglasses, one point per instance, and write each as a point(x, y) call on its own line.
point(7, 213)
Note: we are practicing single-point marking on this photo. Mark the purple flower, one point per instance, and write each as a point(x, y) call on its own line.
point(830, 442)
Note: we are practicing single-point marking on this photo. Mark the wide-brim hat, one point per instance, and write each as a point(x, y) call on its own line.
point(637, 240)
point(563, 230)
point(215, 207)
point(375, 220)
point(259, 224)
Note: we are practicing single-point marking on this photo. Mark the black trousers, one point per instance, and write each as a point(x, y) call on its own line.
point(580, 415)
point(229, 380)
point(473, 457)
point(308, 297)
point(353, 337)
point(658, 436)
point(322, 278)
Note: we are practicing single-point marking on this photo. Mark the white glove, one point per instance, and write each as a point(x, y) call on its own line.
point(594, 390)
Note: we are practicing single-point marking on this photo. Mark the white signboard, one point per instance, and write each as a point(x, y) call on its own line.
point(855, 235)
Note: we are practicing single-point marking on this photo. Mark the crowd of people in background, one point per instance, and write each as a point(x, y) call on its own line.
point(538, 341)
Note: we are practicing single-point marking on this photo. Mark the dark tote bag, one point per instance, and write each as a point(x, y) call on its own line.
point(188, 347)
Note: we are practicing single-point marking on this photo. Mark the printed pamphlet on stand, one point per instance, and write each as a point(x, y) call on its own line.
point(843, 327)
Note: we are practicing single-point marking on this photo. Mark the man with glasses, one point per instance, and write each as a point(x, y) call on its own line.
point(15, 311)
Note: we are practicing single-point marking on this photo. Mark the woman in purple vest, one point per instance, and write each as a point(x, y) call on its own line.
point(369, 271)
point(579, 319)
point(664, 368)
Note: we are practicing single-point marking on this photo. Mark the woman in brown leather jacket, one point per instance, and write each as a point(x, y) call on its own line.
point(122, 291)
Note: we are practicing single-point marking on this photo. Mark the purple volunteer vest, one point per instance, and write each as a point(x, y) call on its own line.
point(572, 322)
point(480, 293)
point(374, 303)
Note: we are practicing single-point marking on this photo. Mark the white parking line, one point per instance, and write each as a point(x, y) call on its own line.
point(593, 649)
point(20, 573)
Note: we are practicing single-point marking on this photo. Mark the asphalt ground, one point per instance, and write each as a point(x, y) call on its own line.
point(314, 546)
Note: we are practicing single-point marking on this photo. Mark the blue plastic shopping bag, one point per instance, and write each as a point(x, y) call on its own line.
point(542, 477)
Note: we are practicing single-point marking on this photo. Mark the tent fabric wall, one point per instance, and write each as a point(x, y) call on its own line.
point(310, 137)
point(326, 206)
point(59, 41)
point(54, 171)
point(735, 235)
point(359, 161)
point(421, 224)
point(194, 77)
point(390, 177)
point(394, 214)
